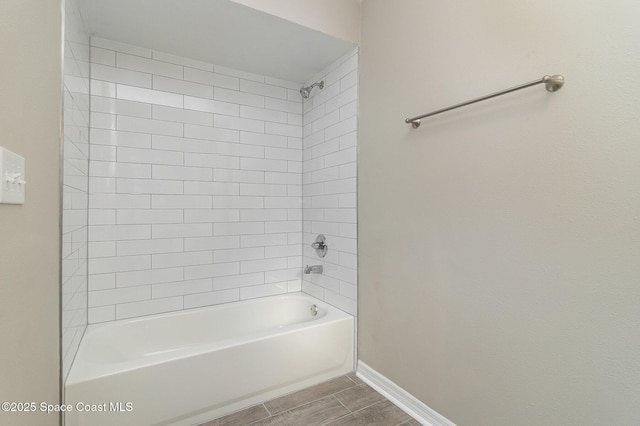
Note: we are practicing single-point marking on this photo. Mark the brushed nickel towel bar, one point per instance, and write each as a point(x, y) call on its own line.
point(552, 83)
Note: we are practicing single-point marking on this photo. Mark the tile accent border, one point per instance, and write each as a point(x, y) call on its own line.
point(400, 397)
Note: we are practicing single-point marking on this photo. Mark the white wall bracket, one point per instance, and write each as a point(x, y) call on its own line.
point(12, 178)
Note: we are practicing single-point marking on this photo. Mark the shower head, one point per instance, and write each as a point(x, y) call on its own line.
point(305, 92)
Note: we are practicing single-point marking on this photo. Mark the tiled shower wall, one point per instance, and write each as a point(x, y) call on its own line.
point(195, 184)
point(330, 170)
point(75, 184)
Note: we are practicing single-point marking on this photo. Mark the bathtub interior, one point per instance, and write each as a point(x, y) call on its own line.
point(212, 378)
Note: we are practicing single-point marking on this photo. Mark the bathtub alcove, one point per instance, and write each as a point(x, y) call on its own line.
point(203, 177)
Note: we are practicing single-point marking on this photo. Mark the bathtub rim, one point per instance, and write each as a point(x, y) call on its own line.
point(83, 370)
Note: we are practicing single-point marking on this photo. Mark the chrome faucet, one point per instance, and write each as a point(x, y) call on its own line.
point(315, 269)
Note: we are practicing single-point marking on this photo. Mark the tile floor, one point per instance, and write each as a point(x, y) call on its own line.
point(342, 401)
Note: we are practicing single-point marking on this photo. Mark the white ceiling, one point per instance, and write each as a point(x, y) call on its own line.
point(217, 31)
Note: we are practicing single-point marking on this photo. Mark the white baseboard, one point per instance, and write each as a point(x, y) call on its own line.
point(400, 397)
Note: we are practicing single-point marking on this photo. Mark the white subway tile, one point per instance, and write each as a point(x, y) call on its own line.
point(237, 202)
point(103, 56)
point(207, 105)
point(149, 156)
point(263, 240)
point(349, 95)
point(326, 174)
point(150, 66)
point(263, 165)
point(282, 202)
point(146, 216)
point(254, 292)
point(349, 230)
point(283, 178)
point(102, 217)
point(102, 185)
point(349, 200)
point(263, 140)
point(258, 215)
point(341, 186)
point(118, 295)
point(103, 153)
point(236, 123)
point(148, 186)
point(342, 70)
point(235, 255)
point(262, 189)
point(236, 281)
point(242, 98)
point(183, 87)
point(282, 251)
point(282, 105)
point(182, 230)
point(119, 201)
point(146, 125)
point(263, 114)
point(349, 81)
point(119, 139)
point(349, 110)
point(120, 47)
point(348, 170)
point(181, 173)
point(342, 128)
point(211, 78)
point(294, 119)
point(182, 115)
point(237, 73)
point(149, 307)
point(238, 228)
point(283, 129)
point(170, 260)
point(208, 271)
point(211, 298)
point(119, 75)
point(263, 89)
point(211, 188)
point(103, 121)
point(138, 247)
point(282, 275)
point(283, 83)
point(179, 60)
point(103, 88)
point(213, 215)
point(181, 288)
point(348, 305)
point(121, 107)
point(152, 276)
point(241, 176)
point(105, 265)
point(211, 243)
point(341, 157)
point(102, 249)
point(211, 133)
point(119, 232)
point(211, 160)
point(282, 226)
point(283, 154)
point(150, 96)
point(181, 202)
point(101, 314)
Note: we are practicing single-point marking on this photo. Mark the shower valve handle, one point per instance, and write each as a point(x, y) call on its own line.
point(318, 245)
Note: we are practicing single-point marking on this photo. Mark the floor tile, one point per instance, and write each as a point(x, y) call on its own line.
point(304, 396)
point(315, 413)
point(355, 378)
point(358, 397)
point(241, 418)
point(381, 414)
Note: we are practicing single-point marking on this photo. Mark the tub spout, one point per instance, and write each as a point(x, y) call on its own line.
point(315, 269)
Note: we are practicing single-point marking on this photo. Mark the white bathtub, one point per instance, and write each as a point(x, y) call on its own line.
point(188, 367)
